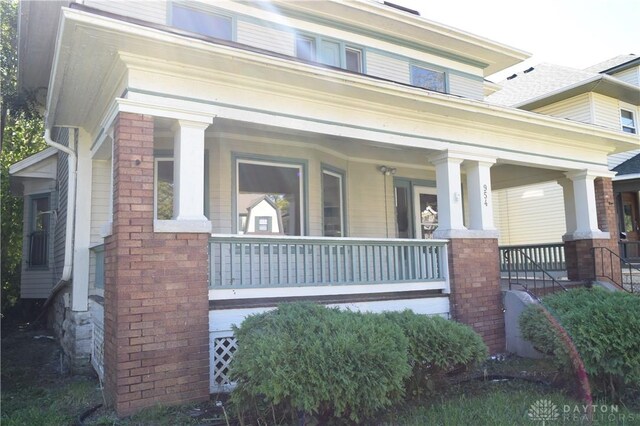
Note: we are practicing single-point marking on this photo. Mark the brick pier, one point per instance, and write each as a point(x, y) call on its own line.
point(156, 344)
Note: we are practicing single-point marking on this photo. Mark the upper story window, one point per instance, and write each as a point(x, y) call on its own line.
point(329, 52)
point(201, 22)
point(428, 79)
point(628, 121)
point(353, 59)
point(305, 48)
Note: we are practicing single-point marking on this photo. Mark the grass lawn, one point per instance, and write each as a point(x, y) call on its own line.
point(36, 390)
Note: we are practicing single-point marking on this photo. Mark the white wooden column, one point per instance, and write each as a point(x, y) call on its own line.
point(569, 207)
point(480, 199)
point(188, 179)
point(449, 193)
point(586, 214)
point(82, 228)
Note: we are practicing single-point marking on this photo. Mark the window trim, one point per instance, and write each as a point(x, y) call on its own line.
point(339, 173)
point(634, 128)
point(32, 218)
point(206, 9)
point(444, 73)
point(355, 49)
point(237, 158)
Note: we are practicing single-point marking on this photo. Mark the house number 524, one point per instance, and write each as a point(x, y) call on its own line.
point(485, 194)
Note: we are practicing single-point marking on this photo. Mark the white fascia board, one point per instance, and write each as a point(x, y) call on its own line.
point(32, 160)
point(631, 176)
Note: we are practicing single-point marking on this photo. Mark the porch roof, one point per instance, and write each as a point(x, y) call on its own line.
point(142, 59)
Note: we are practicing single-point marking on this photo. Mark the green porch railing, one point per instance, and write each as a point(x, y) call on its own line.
point(239, 261)
point(549, 257)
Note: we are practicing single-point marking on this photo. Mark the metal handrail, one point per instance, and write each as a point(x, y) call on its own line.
point(508, 252)
point(612, 256)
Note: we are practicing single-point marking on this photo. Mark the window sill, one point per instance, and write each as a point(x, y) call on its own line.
point(182, 226)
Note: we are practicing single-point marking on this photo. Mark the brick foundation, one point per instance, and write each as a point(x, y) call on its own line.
point(579, 253)
point(156, 346)
point(476, 296)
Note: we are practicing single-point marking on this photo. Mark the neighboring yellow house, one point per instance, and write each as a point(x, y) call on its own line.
point(606, 95)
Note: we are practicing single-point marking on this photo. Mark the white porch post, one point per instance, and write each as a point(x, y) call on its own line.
point(188, 170)
point(569, 207)
point(586, 219)
point(480, 199)
point(82, 231)
point(450, 217)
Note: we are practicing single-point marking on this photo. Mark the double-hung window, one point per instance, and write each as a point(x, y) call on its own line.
point(333, 203)
point(428, 79)
point(628, 121)
point(202, 22)
point(39, 235)
point(329, 52)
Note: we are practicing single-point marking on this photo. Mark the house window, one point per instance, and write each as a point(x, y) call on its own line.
point(163, 196)
point(39, 231)
point(353, 59)
point(271, 191)
point(263, 223)
point(200, 22)
point(428, 79)
point(332, 204)
point(305, 48)
point(628, 121)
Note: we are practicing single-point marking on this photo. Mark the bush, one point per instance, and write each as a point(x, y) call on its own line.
point(605, 328)
point(320, 361)
point(436, 346)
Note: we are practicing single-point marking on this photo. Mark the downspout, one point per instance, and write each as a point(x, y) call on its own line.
point(71, 201)
point(71, 213)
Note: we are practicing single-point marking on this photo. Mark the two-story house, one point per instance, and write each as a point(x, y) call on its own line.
point(360, 123)
point(606, 95)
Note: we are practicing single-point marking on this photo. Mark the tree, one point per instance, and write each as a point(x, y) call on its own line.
point(21, 135)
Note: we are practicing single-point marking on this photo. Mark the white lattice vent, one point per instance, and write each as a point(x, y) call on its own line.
point(97, 348)
point(223, 350)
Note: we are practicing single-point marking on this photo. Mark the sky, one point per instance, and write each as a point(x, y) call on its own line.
point(574, 33)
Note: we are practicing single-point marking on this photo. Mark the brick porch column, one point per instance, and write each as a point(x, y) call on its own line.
point(578, 252)
point(578, 245)
point(156, 345)
point(474, 272)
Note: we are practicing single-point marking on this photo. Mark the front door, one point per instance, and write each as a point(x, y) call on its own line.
point(631, 222)
point(425, 206)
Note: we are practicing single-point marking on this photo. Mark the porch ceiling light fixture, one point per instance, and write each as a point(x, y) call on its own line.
point(385, 170)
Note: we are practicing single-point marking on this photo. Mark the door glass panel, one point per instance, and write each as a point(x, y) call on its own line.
point(428, 215)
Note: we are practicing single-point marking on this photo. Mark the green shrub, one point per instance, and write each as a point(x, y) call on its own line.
point(320, 361)
point(605, 328)
point(436, 347)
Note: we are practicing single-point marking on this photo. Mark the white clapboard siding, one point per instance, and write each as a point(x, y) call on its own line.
point(149, 10)
point(467, 87)
point(617, 159)
point(386, 67)
point(606, 111)
point(631, 76)
point(532, 214)
point(266, 38)
point(577, 108)
point(366, 203)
